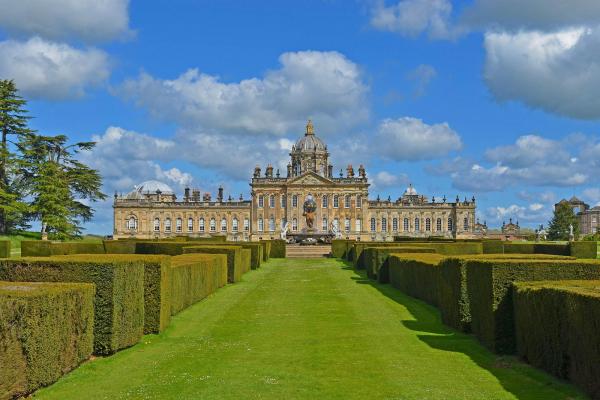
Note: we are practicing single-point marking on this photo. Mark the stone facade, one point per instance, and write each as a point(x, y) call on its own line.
point(342, 205)
point(589, 218)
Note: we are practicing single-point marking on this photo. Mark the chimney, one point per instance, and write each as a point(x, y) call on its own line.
point(220, 195)
point(186, 196)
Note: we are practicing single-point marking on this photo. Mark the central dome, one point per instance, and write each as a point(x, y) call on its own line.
point(310, 142)
point(152, 187)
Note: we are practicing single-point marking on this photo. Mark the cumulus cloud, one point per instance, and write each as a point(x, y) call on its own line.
point(531, 213)
point(410, 139)
point(323, 85)
point(88, 20)
point(415, 17)
point(43, 69)
point(385, 179)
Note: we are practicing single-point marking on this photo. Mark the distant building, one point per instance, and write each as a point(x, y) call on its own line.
point(589, 218)
point(512, 229)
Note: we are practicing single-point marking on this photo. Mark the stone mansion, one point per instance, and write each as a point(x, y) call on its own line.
point(152, 209)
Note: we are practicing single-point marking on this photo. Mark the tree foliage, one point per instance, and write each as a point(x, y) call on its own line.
point(559, 225)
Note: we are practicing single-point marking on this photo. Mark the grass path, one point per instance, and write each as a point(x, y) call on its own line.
point(307, 329)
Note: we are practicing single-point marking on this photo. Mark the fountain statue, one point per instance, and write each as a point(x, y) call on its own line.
point(309, 207)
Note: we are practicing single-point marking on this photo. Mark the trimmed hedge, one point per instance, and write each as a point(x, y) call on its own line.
point(490, 297)
point(194, 277)
point(166, 248)
point(266, 249)
point(246, 260)
point(256, 250)
point(340, 247)
point(585, 249)
point(492, 247)
point(46, 330)
point(277, 248)
point(235, 264)
point(119, 300)
point(376, 260)
point(45, 248)
point(417, 275)
point(557, 325)
point(119, 246)
point(4, 248)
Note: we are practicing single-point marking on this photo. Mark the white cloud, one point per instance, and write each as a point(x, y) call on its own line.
point(414, 17)
point(323, 85)
point(89, 20)
point(411, 139)
point(422, 76)
point(385, 179)
point(532, 213)
point(43, 69)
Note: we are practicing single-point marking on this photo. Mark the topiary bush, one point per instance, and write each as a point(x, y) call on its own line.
point(46, 330)
point(556, 329)
point(417, 275)
point(277, 248)
point(256, 251)
point(119, 299)
point(490, 298)
point(376, 259)
point(340, 247)
point(235, 265)
point(266, 249)
point(4, 248)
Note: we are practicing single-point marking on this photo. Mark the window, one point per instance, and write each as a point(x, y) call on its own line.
point(347, 224)
point(294, 224)
point(395, 224)
point(325, 201)
point(347, 201)
point(373, 225)
point(427, 224)
point(283, 200)
point(272, 201)
point(201, 224)
point(246, 225)
point(358, 201)
point(325, 225)
point(336, 223)
point(260, 224)
point(438, 225)
point(295, 200)
point(213, 225)
point(450, 227)
point(417, 225)
point(223, 224)
point(358, 226)
point(179, 224)
point(336, 201)
point(406, 225)
point(156, 224)
point(168, 225)
point(190, 224)
point(466, 224)
point(272, 224)
point(234, 224)
point(384, 224)
point(132, 223)
point(261, 201)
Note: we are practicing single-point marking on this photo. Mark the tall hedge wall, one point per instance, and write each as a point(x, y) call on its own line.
point(119, 246)
point(4, 248)
point(266, 249)
point(417, 275)
point(340, 247)
point(256, 250)
point(376, 259)
point(235, 265)
point(585, 249)
point(277, 248)
point(194, 277)
point(490, 297)
point(46, 330)
point(119, 299)
point(557, 325)
point(45, 248)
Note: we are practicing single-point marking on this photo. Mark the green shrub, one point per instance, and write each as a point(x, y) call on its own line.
point(559, 249)
point(585, 249)
point(119, 246)
point(4, 248)
point(417, 275)
point(557, 325)
point(235, 267)
point(376, 259)
point(490, 297)
point(340, 247)
point(45, 248)
point(492, 246)
point(35, 248)
point(119, 300)
point(194, 277)
point(246, 260)
point(162, 247)
point(46, 330)
point(277, 248)
point(266, 249)
point(256, 250)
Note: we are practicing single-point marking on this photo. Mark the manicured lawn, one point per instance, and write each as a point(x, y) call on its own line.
point(307, 329)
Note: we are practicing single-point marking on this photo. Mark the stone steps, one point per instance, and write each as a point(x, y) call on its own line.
point(316, 251)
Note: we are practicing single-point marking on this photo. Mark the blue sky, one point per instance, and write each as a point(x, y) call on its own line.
point(496, 99)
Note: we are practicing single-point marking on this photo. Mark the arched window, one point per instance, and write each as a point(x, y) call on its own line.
point(336, 223)
point(358, 225)
point(168, 224)
point(417, 225)
point(438, 225)
point(201, 224)
point(223, 224)
point(336, 201)
point(178, 224)
point(156, 224)
point(450, 226)
point(358, 201)
point(395, 224)
point(283, 201)
point(384, 224)
point(246, 225)
point(260, 224)
point(373, 225)
point(132, 223)
point(347, 224)
point(294, 224)
point(213, 225)
point(272, 201)
point(427, 224)
point(261, 201)
point(295, 200)
point(466, 223)
point(406, 225)
point(190, 224)
point(347, 201)
point(272, 224)
point(325, 225)
point(234, 224)
point(325, 201)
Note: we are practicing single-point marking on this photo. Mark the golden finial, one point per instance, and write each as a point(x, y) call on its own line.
point(309, 128)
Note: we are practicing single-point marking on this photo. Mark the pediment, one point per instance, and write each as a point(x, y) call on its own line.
point(310, 178)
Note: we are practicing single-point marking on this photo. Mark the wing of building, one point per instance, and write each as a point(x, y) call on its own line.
point(308, 199)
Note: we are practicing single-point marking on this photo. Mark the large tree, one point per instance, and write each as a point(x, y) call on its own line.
point(13, 127)
point(559, 225)
point(59, 185)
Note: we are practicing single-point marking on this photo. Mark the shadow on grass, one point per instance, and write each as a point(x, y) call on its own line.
point(523, 381)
